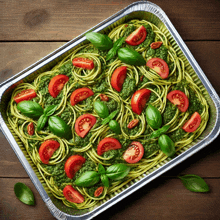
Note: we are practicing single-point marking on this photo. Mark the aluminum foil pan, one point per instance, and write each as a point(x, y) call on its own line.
point(137, 10)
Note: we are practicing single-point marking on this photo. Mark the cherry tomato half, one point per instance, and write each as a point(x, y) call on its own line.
point(193, 123)
point(108, 144)
point(47, 149)
point(80, 94)
point(118, 78)
point(73, 164)
point(83, 63)
point(137, 37)
point(83, 124)
point(27, 94)
point(156, 45)
point(30, 128)
point(56, 84)
point(139, 99)
point(179, 98)
point(99, 191)
point(134, 152)
point(160, 66)
point(72, 194)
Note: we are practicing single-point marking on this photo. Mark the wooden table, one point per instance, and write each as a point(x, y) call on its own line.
point(32, 29)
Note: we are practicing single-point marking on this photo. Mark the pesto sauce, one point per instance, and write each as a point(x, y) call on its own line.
point(128, 88)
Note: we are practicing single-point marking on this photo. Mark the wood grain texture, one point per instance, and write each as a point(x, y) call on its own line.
point(161, 199)
point(198, 23)
point(66, 19)
point(11, 208)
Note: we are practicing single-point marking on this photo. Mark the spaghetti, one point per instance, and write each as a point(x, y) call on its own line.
point(98, 80)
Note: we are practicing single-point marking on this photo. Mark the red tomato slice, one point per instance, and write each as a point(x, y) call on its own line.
point(139, 99)
point(80, 94)
point(83, 124)
point(180, 99)
point(30, 128)
point(118, 78)
point(56, 84)
point(137, 37)
point(83, 63)
point(47, 149)
point(156, 45)
point(108, 144)
point(160, 66)
point(27, 94)
point(72, 194)
point(193, 123)
point(99, 191)
point(134, 152)
point(73, 164)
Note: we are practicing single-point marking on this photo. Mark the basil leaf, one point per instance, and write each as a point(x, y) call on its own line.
point(41, 122)
point(101, 109)
point(167, 145)
point(101, 169)
point(153, 117)
point(49, 110)
point(30, 109)
point(160, 131)
point(117, 171)
point(105, 180)
point(59, 127)
point(88, 179)
point(131, 57)
point(114, 126)
point(24, 194)
point(111, 116)
point(111, 54)
point(194, 183)
point(101, 41)
point(115, 48)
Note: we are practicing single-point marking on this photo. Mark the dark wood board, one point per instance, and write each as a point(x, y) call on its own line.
point(32, 29)
point(57, 20)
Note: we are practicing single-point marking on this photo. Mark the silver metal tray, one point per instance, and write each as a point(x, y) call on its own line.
point(139, 10)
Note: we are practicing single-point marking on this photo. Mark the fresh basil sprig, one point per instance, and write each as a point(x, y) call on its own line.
point(59, 127)
point(105, 180)
point(117, 171)
point(88, 179)
point(194, 183)
point(101, 41)
point(41, 122)
point(153, 117)
point(101, 169)
point(101, 109)
point(24, 194)
point(48, 111)
point(114, 172)
point(113, 51)
point(110, 117)
point(160, 131)
point(30, 109)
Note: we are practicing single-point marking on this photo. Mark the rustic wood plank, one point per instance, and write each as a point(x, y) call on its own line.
point(162, 197)
point(17, 56)
point(12, 208)
point(64, 20)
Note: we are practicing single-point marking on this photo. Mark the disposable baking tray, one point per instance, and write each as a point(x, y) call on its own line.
point(138, 10)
